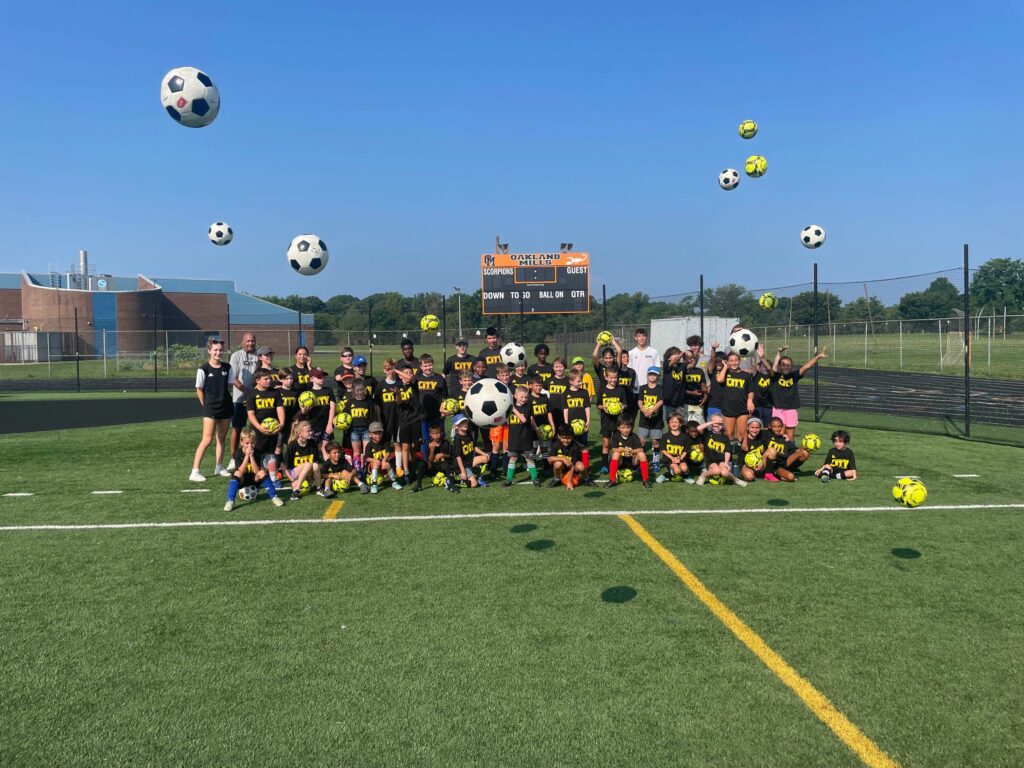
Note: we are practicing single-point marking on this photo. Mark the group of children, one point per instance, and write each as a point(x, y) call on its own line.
point(303, 434)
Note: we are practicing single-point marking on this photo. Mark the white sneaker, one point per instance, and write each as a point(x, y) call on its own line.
point(661, 479)
point(196, 477)
point(229, 506)
point(231, 466)
point(741, 483)
point(221, 472)
point(701, 479)
point(277, 501)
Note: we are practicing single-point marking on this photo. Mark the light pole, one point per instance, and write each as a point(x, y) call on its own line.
point(458, 292)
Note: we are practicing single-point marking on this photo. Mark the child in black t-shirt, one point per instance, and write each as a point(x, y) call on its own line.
point(627, 448)
point(566, 460)
point(649, 400)
point(753, 447)
point(439, 456)
point(611, 402)
point(468, 455)
point(301, 459)
point(337, 472)
point(717, 452)
point(377, 458)
point(675, 449)
point(521, 431)
point(782, 456)
point(839, 461)
point(249, 470)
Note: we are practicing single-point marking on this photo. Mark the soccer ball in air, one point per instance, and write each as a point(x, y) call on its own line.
point(624, 476)
point(604, 337)
point(512, 354)
point(755, 166)
point(429, 323)
point(307, 254)
point(729, 179)
point(579, 426)
point(487, 403)
point(743, 342)
point(768, 301)
point(270, 424)
point(220, 233)
point(914, 494)
point(342, 420)
point(307, 399)
point(812, 236)
point(696, 454)
point(748, 129)
point(190, 97)
point(811, 441)
point(901, 486)
point(247, 492)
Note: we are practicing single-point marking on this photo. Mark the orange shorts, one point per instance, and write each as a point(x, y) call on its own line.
point(499, 434)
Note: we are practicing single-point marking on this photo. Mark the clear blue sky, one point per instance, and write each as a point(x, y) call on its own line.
point(407, 135)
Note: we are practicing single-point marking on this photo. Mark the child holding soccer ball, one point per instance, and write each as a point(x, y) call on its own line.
point(301, 458)
point(839, 461)
point(249, 470)
point(717, 452)
point(566, 460)
point(336, 468)
point(627, 448)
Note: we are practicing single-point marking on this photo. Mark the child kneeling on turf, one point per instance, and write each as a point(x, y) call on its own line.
point(249, 470)
point(566, 460)
point(839, 461)
point(625, 447)
point(336, 468)
point(301, 459)
point(717, 452)
point(377, 458)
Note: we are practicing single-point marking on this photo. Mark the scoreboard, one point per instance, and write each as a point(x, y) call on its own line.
point(535, 283)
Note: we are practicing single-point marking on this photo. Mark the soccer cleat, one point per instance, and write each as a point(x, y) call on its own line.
point(229, 506)
point(555, 482)
point(397, 486)
point(825, 477)
point(590, 482)
point(506, 484)
point(612, 483)
point(647, 484)
point(417, 488)
point(536, 483)
point(373, 488)
point(277, 501)
point(364, 488)
point(740, 482)
point(196, 477)
point(689, 480)
point(770, 477)
point(480, 480)
point(661, 479)
point(321, 493)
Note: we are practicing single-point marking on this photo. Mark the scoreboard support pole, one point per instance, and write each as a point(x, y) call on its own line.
point(604, 307)
point(444, 329)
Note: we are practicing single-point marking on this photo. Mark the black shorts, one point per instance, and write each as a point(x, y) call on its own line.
point(220, 413)
point(410, 433)
point(241, 415)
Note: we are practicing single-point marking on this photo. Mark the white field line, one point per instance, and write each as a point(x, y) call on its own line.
point(17, 494)
point(106, 493)
point(966, 475)
point(195, 490)
point(492, 515)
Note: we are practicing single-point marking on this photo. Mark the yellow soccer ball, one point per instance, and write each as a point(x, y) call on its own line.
point(752, 459)
point(768, 301)
point(604, 337)
point(429, 323)
point(613, 407)
point(546, 432)
point(342, 420)
point(811, 441)
point(579, 426)
point(696, 454)
point(450, 405)
point(914, 494)
point(900, 486)
point(716, 480)
point(438, 479)
point(755, 166)
point(270, 424)
point(748, 129)
point(339, 485)
point(307, 399)
point(624, 476)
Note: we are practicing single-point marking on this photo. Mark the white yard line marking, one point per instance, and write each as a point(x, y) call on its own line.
point(195, 490)
point(966, 475)
point(17, 494)
point(105, 493)
point(491, 515)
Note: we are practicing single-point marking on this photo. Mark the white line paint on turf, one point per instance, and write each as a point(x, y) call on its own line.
point(105, 493)
point(492, 515)
point(966, 475)
point(17, 494)
point(195, 490)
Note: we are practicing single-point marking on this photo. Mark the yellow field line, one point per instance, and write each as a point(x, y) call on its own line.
point(333, 510)
point(869, 752)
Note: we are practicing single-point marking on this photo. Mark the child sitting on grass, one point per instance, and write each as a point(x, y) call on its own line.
point(839, 461)
point(249, 470)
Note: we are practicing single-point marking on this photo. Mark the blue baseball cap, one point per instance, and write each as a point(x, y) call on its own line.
point(655, 370)
point(360, 360)
point(459, 419)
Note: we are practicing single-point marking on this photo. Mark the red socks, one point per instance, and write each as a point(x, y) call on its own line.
point(613, 470)
point(643, 471)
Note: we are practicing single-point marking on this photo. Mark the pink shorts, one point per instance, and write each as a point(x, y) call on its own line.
point(788, 416)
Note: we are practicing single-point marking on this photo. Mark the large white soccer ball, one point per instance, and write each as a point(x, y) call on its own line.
point(190, 97)
point(743, 342)
point(220, 233)
point(307, 254)
point(812, 236)
point(729, 179)
point(487, 403)
point(512, 354)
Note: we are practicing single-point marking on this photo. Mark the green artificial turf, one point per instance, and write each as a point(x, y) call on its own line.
point(529, 640)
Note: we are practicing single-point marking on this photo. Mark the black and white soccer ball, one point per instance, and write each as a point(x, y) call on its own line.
point(812, 236)
point(220, 233)
point(247, 492)
point(487, 403)
point(743, 342)
point(729, 179)
point(307, 254)
point(190, 97)
point(512, 354)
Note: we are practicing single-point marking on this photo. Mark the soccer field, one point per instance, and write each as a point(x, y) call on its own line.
point(776, 625)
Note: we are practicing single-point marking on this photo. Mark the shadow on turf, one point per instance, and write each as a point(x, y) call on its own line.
point(777, 502)
point(540, 545)
point(524, 528)
point(905, 553)
point(618, 594)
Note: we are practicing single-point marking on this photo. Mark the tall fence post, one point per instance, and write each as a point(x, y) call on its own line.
point(814, 318)
point(967, 343)
point(444, 329)
point(901, 345)
point(104, 353)
point(701, 307)
point(369, 330)
point(167, 353)
point(78, 370)
point(156, 381)
point(300, 342)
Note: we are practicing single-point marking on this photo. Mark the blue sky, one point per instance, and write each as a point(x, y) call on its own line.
point(408, 136)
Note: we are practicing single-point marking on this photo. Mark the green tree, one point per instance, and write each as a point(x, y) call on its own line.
point(729, 300)
point(999, 283)
point(938, 300)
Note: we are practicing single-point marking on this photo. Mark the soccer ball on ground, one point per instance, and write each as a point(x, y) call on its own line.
point(270, 424)
point(307, 254)
point(575, 480)
point(339, 486)
point(429, 323)
point(716, 480)
point(342, 420)
point(696, 454)
point(613, 407)
point(546, 432)
point(914, 494)
point(755, 166)
point(248, 492)
point(487, 403)
point(812, 236)
point(513, 354)
point(220, 233)
point(190, 97)
point(748, 129)
point(306, 399)
point(624, 476)
point(752, 459)
point(438, 479)
point(743, 342)
point(768, 300)
point(604, 338)
point(579, 426)
point(901, 486)
point(729, 179)
point(811, 441)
